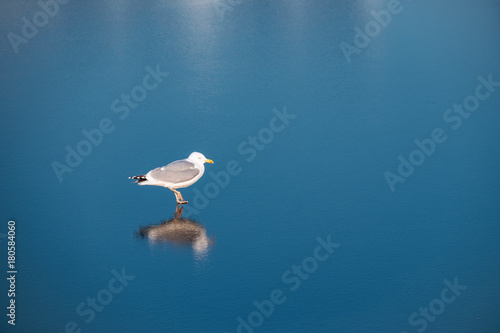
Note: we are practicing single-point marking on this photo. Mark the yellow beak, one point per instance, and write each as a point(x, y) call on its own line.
point(209, 161)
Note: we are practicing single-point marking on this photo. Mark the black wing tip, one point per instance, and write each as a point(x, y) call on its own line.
point(140, 178)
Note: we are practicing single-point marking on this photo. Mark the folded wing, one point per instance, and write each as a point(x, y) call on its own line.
point(175, 172)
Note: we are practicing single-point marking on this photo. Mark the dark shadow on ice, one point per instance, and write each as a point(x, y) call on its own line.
point(179, 231)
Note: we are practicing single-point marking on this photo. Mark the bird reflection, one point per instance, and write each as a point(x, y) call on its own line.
point(179, 231)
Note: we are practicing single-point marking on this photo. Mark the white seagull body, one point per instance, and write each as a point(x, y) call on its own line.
point(178, 174)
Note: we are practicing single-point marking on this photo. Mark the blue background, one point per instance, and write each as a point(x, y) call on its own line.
point(229, 65)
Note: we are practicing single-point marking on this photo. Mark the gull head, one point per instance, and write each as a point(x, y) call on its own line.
point(199, 158)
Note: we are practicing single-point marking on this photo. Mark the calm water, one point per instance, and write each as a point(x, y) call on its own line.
point(304, 223)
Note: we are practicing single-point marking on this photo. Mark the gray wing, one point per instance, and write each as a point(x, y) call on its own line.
point(175, 172)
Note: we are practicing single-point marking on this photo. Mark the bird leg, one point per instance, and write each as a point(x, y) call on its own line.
point(178, 197)
point(178, 212)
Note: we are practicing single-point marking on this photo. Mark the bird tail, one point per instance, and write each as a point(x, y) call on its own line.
point(139, 179)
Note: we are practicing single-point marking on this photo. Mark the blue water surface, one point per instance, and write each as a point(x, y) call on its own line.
point(355, 186)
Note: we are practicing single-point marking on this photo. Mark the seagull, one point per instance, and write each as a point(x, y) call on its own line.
point(178, 174)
